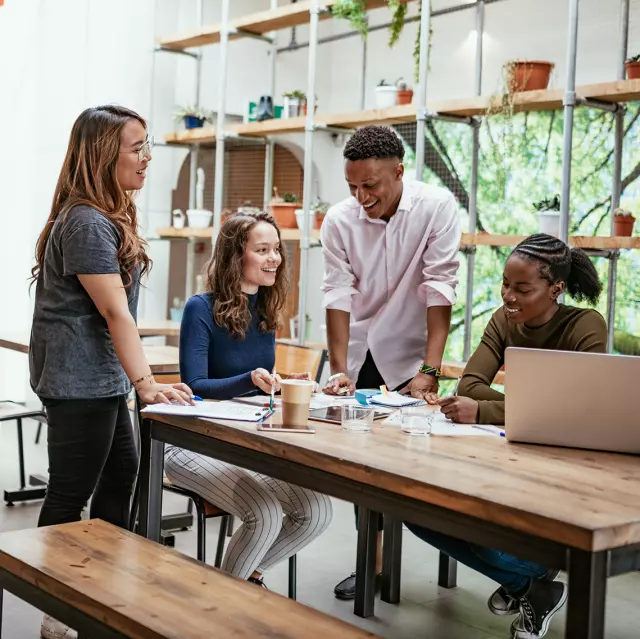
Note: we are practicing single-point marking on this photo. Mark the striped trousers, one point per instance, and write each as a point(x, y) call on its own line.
point(278, 518)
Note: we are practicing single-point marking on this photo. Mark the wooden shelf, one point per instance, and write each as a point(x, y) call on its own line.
point(261, 23)
point(204, 135)
point(622, 91)
point(601, 243)
point(170, 233)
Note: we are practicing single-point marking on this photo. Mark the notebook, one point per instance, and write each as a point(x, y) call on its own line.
point(213, 410)
point(395, 400)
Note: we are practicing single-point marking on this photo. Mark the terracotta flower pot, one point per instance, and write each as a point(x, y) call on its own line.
point(633, 70)
point(528, 75)
point(284, 213)
point(319, 220)
point(623, 226)
point(405, 97)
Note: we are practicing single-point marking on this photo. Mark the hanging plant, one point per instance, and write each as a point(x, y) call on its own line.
point(355, 11)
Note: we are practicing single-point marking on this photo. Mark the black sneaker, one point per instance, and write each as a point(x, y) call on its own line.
point(257, 582)
point(501, 603)
point(537, 607)
point(346, 589)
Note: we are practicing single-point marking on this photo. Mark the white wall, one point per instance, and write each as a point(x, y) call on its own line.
point(58, 58)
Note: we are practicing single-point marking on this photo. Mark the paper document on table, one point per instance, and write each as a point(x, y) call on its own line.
point(444, 427)
point(395, 400)
point(213, 410)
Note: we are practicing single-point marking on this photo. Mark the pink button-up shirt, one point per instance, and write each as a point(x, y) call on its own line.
point(386, 274)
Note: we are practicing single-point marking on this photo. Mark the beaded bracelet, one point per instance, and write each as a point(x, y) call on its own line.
point(142, 379)
point(430, 370)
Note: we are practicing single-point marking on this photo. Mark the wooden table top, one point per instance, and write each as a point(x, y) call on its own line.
point(583, 499)
point(162, 359)
point(147, 591)
point(149, 328)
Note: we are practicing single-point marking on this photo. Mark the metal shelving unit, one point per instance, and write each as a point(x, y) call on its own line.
point(609, 96)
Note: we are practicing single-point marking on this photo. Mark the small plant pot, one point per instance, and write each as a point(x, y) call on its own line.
point(192, 122)
point(284, 213)
point(386, 97)
point(549, 222)
point(319, 220)
point(293, 107)
point(623, 226)
point(405, 97)
point(529, 75)
point(300, 219)
point(633, 70)
point(199, 218)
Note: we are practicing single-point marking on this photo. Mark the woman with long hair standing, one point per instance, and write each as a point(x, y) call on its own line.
point(85, 351)
point(227, 348)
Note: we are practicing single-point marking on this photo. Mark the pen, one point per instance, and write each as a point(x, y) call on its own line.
point(272, 401)
point(455, 390)
point(195, 398)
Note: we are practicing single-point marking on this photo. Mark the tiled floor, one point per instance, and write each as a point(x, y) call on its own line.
point(425, 612)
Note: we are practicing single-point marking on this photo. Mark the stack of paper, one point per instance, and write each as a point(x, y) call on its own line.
point(395, 400)
point(213, 410)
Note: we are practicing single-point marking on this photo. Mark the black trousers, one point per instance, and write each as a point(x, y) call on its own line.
point(370, 377)
point(91, 452)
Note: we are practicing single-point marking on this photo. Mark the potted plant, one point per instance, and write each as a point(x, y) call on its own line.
point(633, 67)
point(548, 215)
point(405, 94)
point(193, 117)
point(321, 209)
point(623, 222)
point(284, 208)
point(386, 95)
point(295, 102)
point(528, 75)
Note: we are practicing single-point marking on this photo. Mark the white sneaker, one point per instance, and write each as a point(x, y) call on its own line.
point(53, 629)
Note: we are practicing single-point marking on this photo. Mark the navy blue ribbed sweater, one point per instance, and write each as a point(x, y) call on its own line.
point(213, 363)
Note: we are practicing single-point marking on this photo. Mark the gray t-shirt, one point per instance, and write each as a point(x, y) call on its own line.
point(71, 355)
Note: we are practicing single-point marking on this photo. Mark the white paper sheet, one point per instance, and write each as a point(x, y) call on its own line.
point(212, 410)
point(442, 427)
point(395, 400)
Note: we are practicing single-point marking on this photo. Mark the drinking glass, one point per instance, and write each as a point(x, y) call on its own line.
point(417, 420)
point(357, 419)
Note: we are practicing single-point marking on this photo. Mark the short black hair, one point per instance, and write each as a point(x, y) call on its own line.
point(371, 141)
point(559, 263)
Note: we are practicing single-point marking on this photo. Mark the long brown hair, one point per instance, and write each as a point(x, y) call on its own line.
point(88, 176)
point(223, 275)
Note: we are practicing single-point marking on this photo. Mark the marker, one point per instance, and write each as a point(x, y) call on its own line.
point(272, 401)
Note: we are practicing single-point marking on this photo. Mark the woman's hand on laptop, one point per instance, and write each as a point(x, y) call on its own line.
point(460, 410)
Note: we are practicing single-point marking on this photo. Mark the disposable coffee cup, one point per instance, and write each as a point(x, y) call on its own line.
point(296, 398)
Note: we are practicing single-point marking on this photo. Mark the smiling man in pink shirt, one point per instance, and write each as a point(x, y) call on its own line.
point(390, 273)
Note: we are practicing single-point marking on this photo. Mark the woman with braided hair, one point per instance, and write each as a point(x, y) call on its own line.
point(537, 272)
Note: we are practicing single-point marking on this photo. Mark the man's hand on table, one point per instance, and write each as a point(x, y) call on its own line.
point(460, 410)
point(423, 387)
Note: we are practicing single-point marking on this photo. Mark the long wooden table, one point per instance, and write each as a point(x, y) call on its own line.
point(569, 509)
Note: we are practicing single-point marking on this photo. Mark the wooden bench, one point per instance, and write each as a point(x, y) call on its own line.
point(108, 583)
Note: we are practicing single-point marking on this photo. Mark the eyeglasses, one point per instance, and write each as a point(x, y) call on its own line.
point(146, 147)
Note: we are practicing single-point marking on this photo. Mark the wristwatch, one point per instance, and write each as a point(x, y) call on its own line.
point(425, 369)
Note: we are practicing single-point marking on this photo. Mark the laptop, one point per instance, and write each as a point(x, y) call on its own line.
point(580, 400)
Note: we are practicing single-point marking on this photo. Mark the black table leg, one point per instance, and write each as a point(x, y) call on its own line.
point(447, 571)
point(587, 594)
point(366, 562)
point(1, 594)
point(391, 560)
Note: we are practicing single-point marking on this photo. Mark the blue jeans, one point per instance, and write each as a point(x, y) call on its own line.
point(513, 574)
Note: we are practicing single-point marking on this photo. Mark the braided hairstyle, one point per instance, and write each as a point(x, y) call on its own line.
point(559, 263)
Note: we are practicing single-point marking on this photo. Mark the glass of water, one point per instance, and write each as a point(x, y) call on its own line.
point(357, 419)
point(417, 420)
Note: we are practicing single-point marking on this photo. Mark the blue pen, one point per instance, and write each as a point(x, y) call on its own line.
point(195, 398)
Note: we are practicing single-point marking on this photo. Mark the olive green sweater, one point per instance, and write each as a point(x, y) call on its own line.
point(570, 329)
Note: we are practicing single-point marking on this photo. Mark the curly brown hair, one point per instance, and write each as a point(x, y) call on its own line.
point(223, 275)
point(89, 176)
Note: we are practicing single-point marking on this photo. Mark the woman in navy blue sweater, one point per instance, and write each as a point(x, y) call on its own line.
point(227, 348)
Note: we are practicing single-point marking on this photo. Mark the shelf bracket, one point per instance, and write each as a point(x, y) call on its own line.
point(332, 129)
point(601, 105)
point(609, 254)
point(230, 135)
point(425, 114)
point(189, 54)
point(468, 249)
point(242, 33)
